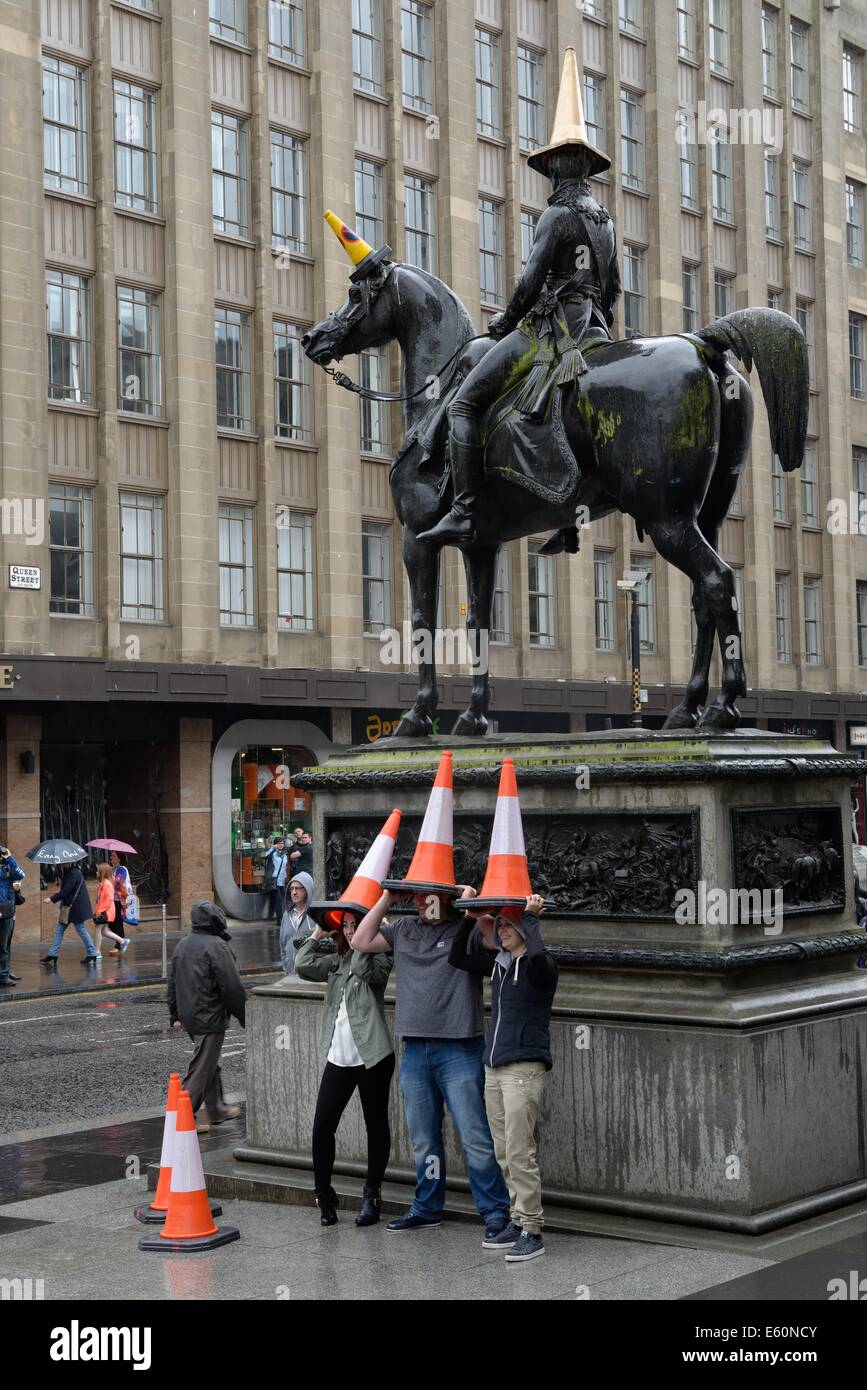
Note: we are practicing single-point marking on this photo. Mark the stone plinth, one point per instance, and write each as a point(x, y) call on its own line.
point(705, 1071)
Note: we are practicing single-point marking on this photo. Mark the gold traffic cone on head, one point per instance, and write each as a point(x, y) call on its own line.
point(570, 127)
point(360, 252)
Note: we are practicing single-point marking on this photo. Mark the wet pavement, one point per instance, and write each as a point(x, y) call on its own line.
point(255, 944)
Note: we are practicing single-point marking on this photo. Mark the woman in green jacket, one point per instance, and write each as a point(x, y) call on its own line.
point(358, 1052)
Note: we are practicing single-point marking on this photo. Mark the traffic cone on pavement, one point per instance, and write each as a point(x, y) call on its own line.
point(507, 878)
point(366, 885)
point(189, 1224)
point(433, 865)
point(155, 1214)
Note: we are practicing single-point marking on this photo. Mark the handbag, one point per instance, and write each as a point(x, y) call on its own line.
point(20, 899)
point(63, 915)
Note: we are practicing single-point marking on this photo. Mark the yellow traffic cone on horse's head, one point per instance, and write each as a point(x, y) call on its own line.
point(359, 251)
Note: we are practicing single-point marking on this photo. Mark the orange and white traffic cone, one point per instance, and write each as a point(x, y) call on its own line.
point(433, 865)
point(189, 1224)
point(155, 1214)
point(507, 878)
point(366, 886)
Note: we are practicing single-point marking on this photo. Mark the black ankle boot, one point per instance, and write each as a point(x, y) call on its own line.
point(371, 1206)
point(327, 1202)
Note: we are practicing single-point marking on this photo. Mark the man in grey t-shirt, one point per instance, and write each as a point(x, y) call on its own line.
point(439, 1016)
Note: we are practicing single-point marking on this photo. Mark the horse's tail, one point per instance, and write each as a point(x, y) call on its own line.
point(779, 347)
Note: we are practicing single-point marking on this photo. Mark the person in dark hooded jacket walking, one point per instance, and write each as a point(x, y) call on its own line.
point(204, 992)
point(517, 1057)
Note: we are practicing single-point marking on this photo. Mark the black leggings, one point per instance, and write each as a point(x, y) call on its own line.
point(335, 1092)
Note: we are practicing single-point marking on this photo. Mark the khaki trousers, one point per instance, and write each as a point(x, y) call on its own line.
point(513, 1095)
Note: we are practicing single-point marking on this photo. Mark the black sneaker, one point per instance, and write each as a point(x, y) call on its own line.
point(409, 1222)
point(527, 1247)
point(499, 1235)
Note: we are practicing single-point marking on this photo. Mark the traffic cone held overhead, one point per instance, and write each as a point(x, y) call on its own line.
point(433, 866)
point(507, 878)
point(366, 886)
point(189, 1224)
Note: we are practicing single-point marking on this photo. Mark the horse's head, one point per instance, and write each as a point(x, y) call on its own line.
point(362, 321)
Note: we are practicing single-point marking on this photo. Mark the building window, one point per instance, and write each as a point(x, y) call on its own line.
point(488, 120)
point(236, 565)
point(854, 222)
point(723, 294)
point(376, 576)
point(288, 191)
point(861, 619)
point(229, 153)
point(688, 174)
point(775, 299)
point(783, 618)
point(531, 98)
point(227, 20)
point(595, 8)
point(135, 147)
point(852, 87)
point(64, 125)
point(856, 358)
point(70, 545)
point(373, 374)
point(632, 138)
point(294, 571)
point(420, 223)
point(859, 486)
point(594, 110)
point(809, 486)
point(141, 557)
point(686, 47)
point(646, 603)
point(540, 581)
point(718, 36)
point(800, 65)
point(286, 30)
point(501, 611)
point(813, 621)
point(291, 383)
point(232, 344)
point(417, 46)
point(634, 293)
point(802, 201)
point(149, 5)
point(491, 274)
point(690, 298)
point(529, 223)
point(603, 600)
point(369, 201)
point(367, 46)
point(68, 322)
point(804, 315)
point(779, 505)
point(772, 195)
point(629, 15)
point(138, 351)
point(770, 49)
point(721, 178)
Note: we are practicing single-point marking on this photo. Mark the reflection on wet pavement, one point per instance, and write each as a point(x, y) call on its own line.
point(39, 1167)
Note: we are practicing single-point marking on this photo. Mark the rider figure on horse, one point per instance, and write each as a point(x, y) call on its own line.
point(564, 300)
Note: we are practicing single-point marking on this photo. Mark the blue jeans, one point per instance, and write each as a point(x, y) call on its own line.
point(450, 1073)
point(82, 932)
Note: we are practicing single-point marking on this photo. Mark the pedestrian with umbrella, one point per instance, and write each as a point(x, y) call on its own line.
point(124, 898)
point(73, 897)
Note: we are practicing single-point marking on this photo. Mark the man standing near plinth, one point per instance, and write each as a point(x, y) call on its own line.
point(439, 1017)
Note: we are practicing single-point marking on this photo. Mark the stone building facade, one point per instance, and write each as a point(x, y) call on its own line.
point(210, 516)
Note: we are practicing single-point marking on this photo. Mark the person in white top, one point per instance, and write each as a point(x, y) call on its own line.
point(359, 1053)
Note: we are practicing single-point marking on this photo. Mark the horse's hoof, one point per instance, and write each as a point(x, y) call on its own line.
point(470, 725)
point(414, 726)
point(681, 718)
point(724, 717)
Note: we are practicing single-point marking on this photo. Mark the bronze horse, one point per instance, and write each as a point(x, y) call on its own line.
point(660, 426)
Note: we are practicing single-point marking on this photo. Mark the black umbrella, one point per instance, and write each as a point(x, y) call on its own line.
point(56, 852)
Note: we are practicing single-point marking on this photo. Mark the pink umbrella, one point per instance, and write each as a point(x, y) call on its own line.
point(120, 846)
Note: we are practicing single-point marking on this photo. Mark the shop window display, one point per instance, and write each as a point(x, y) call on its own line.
point(265, 804)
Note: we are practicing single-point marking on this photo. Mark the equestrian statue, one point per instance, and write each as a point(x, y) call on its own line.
point(546, 422)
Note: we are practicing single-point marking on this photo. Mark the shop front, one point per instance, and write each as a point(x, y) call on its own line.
point(253, 800)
